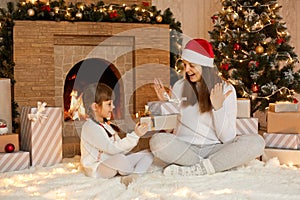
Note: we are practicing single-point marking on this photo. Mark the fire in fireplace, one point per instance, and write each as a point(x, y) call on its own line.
point(85, 72)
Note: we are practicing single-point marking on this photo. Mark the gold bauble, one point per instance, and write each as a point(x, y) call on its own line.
point(79, 15)
point(179, 66)
point(30, 12)
point(259, 49)
point(234, 16)
point(159, 18)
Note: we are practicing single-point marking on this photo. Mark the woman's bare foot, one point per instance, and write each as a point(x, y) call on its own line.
point(126, 180)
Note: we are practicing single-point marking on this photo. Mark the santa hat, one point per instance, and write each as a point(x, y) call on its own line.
point(199, 51)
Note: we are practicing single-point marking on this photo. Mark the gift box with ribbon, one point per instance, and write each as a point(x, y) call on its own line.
point(163, 122)
point(245, 126)
point(282, 140)
point(243, 108)
point(283, 122)
point(41, 134)
point(6, 139)
point(283, 107)
point(14, 161)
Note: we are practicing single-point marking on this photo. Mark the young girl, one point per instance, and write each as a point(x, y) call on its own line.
point(103, 153)
point(205, 139)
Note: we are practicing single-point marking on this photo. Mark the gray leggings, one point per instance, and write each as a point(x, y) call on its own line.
point(171, 149)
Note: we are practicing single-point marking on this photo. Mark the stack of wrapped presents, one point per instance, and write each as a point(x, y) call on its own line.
point(283, 133)
point(11, 158)
point(39, 142)
point(245, 124)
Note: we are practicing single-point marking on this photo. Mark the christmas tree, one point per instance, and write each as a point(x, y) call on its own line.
point(252, 51)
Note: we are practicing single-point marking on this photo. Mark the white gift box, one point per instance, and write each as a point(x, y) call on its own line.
point(43, 137)
point(282, 140)
point(246, 126)
point(243, 108)
point(285, 156)
point(14, 161)
point(163, 108)
point(5, 102)
point(283, 107)
point(163, 122)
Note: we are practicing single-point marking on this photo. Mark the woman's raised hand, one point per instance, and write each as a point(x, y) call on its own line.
point(160, 90)
point(217, 97)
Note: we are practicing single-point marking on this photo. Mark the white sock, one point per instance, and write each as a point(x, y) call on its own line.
point(201, 168)
point(208, 166)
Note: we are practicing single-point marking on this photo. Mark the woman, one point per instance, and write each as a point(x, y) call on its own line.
point(205, 140)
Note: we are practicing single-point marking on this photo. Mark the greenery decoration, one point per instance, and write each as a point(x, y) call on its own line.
point(252, 49)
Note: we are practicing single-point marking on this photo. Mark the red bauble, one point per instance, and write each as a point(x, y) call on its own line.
point(295, 100)
point(225, 66)
point(255, 88)
point(280, 40)
point(9, 148)
point(214, 18)
point(237, 47)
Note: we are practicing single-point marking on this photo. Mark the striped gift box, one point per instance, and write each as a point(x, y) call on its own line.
point(14, 161)
point(42, 138)
point(282, 140)
point(246, 126)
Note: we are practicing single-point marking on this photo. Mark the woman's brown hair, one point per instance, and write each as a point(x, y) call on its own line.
point(200, 91)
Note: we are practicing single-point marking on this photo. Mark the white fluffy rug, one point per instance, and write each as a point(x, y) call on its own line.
point(257, 180)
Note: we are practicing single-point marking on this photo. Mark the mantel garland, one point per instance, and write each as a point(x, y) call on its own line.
point(60, 11)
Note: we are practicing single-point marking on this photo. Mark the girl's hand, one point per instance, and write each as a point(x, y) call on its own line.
point(217, 97)
point(141, 129)
point(160, 90)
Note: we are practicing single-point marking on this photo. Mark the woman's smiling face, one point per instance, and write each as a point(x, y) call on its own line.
point(194, 72)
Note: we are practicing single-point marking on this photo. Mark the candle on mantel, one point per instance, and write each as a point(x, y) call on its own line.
point(5, 102)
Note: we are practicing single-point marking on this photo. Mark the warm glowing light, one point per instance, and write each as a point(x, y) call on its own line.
point(76, 111)
point(182, 192)
point(223, 191)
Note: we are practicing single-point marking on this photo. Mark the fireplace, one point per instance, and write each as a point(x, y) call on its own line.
point(58, 57)
point(84, 73)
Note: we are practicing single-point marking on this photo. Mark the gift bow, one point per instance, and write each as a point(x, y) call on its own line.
point(38, 115)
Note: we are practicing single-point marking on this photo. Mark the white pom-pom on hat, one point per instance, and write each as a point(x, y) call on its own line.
point(199, 51)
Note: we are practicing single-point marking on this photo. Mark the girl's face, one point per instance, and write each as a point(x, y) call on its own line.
point(194, 73)
point(104, 111)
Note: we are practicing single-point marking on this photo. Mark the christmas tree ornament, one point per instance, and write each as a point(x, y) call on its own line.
point(78, 15)
point(280, 40)
point(214, 18)
point(259, 49)
point(179, 66)
point(9, 148)
point(56, 10)
point(3, 127)
point(30, 12)
point(225, 66)
point(255, 88)
point(234, 16)
point(237, 47)
point(159, 18)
